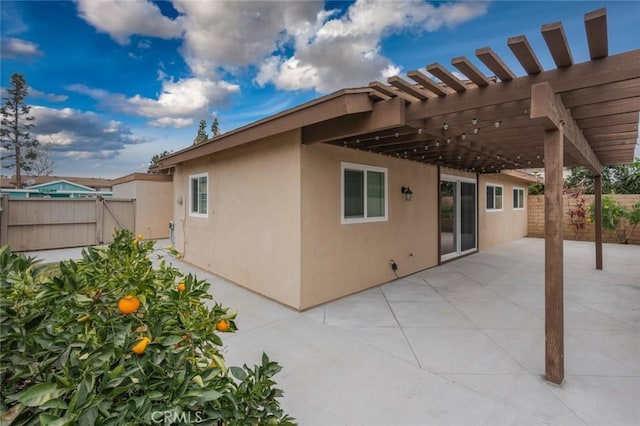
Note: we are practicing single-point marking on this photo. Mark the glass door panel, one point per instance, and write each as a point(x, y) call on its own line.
point(448, 215)
point(467, 216)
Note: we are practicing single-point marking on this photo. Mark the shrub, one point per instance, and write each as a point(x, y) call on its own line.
point(68, 335)
point(616, 218)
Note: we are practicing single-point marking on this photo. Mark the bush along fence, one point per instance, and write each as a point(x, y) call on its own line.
point(113, 340)
point(620, 217)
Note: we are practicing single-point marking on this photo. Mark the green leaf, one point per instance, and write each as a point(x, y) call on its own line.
point(238, 373)
point(209, 395)
point(54, 403)
point(37, 395)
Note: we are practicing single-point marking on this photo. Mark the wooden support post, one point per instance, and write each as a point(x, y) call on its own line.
point(598, 221)
point(553, 237)
point(99, 219)
point(4, 220)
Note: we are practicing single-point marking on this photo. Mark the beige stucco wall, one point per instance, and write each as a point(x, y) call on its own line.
point(252, 233)
point(499, 227)
point(341, 259)
point(154, 207)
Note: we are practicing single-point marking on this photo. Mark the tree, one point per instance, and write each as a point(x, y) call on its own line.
point(215, 128)
point(19, 147)
point(620, 179)
point(43, 165)
point(202, 135)
point(154, 161)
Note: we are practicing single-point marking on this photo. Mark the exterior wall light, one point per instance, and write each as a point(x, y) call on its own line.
point(407, 192)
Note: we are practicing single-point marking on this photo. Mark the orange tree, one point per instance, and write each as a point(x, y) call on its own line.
point(112, 340)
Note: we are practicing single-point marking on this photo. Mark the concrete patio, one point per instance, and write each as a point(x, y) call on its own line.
point(459, 344)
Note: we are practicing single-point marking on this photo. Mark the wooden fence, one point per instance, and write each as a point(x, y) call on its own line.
point(535, 218)
point(44, 223)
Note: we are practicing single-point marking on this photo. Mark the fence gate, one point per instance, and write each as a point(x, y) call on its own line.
point(47, 223)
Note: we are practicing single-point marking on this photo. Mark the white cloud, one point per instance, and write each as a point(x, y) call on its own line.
point(176, 105)
point(345, 51)
point(11, 47)
point(236, 34)
point(78, 134)
point(122, 19)
point(48, 96)
point(171, 122)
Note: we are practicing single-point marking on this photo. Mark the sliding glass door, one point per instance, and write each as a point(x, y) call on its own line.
point(458, 216)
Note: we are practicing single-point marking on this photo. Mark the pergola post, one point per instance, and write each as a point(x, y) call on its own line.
point(554, 262)
point(598, 219)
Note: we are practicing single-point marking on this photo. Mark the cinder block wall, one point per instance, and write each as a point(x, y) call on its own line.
point(535, 222)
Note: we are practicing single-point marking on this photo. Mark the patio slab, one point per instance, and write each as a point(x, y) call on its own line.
point(459, 344)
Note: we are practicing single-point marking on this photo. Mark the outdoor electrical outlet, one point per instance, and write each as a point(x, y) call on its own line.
point(393, 264)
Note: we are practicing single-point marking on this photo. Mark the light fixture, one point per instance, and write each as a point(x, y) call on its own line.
point(448, 140)
point(357, 140)
point(407, 192)
point(438, 142)
point(474, 121)
point(445, 126)
point(475, 130)
point(497, 123)
point(420, 131)
point(426, 147)
point(463, 136)
point(397, 134)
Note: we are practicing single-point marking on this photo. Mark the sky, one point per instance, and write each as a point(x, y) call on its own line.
point(114, 82)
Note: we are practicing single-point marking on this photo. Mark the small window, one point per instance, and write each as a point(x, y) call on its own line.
point(518, 198)
point(198, 188)
point(364, 193)
point(494, 197)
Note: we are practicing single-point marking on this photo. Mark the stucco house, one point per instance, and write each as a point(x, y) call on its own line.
point(307, 223)
point(360, 186)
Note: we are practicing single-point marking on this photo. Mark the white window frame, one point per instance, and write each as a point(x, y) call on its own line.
point(364, 168)
point(494, 185)
point(191, 179)
point(513, 192)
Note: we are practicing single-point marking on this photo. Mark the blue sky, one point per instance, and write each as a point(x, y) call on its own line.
point(113, 83)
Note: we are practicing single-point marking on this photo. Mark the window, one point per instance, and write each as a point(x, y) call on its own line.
point(198, 188)
point(518, 198)
point(364, 193)
point(494, 197)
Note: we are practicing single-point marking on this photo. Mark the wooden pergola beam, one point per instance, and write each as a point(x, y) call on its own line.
point(409, 88)
point(427, 83)
point(611, 69)
point(391, 91)
point(595, 24)
point(556, 40)
point(523, 52)
point(547, 109)
point(377, 96)
point(446, 77)
point(495, 64)
point(385, 115)
point(467, 68)
point(609, 120)
point(600, 109)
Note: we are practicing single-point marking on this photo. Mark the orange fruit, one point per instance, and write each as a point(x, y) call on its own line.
point(134, 242)
point(222, 325)
point(140, 237)
point(128, 304)
point(181, 287)
point(169, 247)
point(141, 346)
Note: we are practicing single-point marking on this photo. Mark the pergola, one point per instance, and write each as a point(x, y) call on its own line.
point(582, 114)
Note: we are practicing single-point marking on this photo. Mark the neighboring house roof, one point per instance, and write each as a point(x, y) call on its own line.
point(95, 183)
point(142, 176)
point(483, 125)
point(63, 185)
